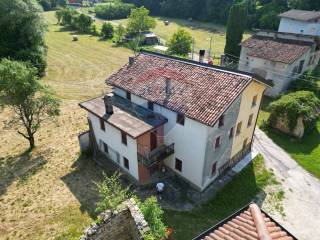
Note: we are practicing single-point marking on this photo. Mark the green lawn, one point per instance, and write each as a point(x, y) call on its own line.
point(202, 33)
point(305, 151)
point(239, 192)
point(76, 70)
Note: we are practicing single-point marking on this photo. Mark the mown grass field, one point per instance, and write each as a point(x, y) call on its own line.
point(49, 193)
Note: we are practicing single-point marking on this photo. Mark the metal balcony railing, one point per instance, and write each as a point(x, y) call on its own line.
point(156, 155)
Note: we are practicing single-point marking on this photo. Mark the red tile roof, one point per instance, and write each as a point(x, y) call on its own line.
point(249, 223)
point(276, 49)
point(200, 92)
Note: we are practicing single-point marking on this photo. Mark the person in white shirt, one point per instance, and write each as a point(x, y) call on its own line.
point(160, 188)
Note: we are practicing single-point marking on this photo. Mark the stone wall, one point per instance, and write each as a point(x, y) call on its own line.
point(127, 223)
point(283, 126)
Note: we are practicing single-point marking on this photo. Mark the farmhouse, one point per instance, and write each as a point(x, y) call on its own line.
point(300, 22)
point(166, 112)
point(279, 57)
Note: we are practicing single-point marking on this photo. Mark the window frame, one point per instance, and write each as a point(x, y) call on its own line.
point(126, 163)
point(178, 165)
point(217, 143)
point(105, 148)
point(124, 138)
point(231, 132)
point(254, 101)
point(239, 128)
point(221, 121)
point(128, 96)
point(150, 106)
point(214, 169)
point(250, 120)
point(180, 119)
point(102, 124)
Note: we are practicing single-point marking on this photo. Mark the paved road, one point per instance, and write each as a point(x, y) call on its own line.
point(302, 190)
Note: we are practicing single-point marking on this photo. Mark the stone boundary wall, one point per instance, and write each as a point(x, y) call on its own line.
point(127, 223)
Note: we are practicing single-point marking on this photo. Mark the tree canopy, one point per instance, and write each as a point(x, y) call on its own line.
point(22, 30)
point(31, 102)
point(180, 43)
point(294, 105)
point(139, 20)
point(235, 29)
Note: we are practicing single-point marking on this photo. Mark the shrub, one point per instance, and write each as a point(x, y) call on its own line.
point(83, 23)
point(113, 11)
point(120, 32)
point(153, 214)
point(107, 30)
point(180, 43)
point(111, 192)
point(294, 105)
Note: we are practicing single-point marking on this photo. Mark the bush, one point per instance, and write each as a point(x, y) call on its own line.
point(113, 11)
point(180, 43)
point(294, 105)
point(83, 23)
point(153, 214)
point(111, 193)
point(107, 30)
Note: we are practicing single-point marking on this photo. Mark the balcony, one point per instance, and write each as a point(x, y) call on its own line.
point(156, 155)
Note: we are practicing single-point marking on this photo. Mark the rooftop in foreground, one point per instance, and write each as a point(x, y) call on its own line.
point(128, 117)
point(199, 91)
point(248, 223)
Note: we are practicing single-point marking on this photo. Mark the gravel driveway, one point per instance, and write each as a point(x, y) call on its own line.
point(302, 190)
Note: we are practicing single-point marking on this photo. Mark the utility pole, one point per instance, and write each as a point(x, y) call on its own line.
point(210, 48)
point(192, 54)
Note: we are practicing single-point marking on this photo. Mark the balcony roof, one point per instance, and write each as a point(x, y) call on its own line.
point(127, 117)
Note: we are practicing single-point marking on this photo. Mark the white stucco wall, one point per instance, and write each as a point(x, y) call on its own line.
point(281, 74)
point(300, 27)
point(112, 137)
point(190, 140)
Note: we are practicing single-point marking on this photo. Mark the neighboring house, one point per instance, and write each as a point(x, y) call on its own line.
point(249, 222)
point(279, 57)
point(193, 118)
point(300, 22)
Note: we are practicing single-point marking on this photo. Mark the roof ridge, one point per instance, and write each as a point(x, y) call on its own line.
point(259, 222)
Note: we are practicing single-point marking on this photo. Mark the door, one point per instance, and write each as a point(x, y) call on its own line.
point(153, 140)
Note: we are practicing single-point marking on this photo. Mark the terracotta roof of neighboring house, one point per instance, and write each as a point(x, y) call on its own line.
point(276, 49)
point(301, 15)
point(248, 223)
point(199, 91)
point(128, 117)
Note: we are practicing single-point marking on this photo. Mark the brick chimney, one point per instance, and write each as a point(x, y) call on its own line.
point(201, 55)
point(108, 103)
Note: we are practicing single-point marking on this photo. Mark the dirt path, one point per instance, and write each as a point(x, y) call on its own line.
point(302, 190)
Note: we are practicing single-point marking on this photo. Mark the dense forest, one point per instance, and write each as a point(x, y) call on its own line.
point(261, 13)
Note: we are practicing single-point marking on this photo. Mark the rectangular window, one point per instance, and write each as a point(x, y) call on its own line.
point(254, 101)
point(129, 96)
point(231, 132)
point(180, 119)
point(124, 138)
point(150, 105)
point(217, 143)
point(300, 68)
point(106, 149)
point(245, 142)
point(178, 165)
point(102, 126)
point(214, 169)
point(221, 121)
point(126, 163)
point(250, 120)
point(239, 128)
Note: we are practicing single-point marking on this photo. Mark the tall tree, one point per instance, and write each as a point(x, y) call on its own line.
point(22, 30)
point(235, 29)
point(180, 43)
point(31, 102)
point(139, 20)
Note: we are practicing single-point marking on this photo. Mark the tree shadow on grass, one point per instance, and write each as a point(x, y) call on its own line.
point(19, 168)
point(81, 181)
